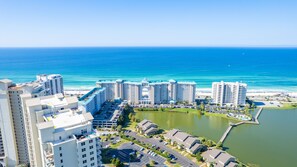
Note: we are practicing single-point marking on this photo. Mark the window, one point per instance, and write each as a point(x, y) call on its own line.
point(92, 152)
point(84, 155)
point(84, 161)
point(91, 141)
point(91, 147)
point(92, 164)
point(83, 143)
point(60, 138)
point(83, 150)
point(61, 160)
point(61, 155)
point(92, 158)
point(60, 148)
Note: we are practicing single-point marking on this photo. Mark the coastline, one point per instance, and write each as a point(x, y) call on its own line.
point(263, 98)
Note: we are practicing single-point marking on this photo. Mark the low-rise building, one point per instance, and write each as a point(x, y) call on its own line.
point(108, 116)
point(184, 140)
point(219, 158)
point(147, 127)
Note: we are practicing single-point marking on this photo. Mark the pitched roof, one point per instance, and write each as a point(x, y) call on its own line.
point(142, 122)
point(232, 164)
point(181, 136)
point(151, 130)
point(195, 147)
point(172, 132)
point(148, 125)
point(224, 158)
point(214, 153)
point(190, 141)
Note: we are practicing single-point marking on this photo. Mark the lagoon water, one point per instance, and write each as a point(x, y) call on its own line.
point(270, 144)
point(261, 68)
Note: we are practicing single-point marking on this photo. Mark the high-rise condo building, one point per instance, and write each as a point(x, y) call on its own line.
point(59, 133)
point(53, 83)
point(229, 93)
point(14, 141)
point(146, 92)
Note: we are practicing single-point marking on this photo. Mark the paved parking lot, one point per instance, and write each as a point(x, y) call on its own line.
point(123, 153)
point(183, 161)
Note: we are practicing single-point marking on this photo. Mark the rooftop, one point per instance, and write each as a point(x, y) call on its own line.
point(147, 81)
point(224, 158)
point(64, 120)
point(91, 94)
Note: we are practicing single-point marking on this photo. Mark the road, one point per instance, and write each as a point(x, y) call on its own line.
point(183, 161)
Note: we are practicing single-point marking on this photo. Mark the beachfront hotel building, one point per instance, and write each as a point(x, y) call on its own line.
point(53, 83)
point(145, 92)
point(13, 141)
point(93, 100)
point(229, 93)
point(59, 133)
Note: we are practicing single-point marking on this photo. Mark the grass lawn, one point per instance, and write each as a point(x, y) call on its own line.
point(131, 126)
point(118, 144)
point(185, 110)
point(220, 115)
point(288, 106)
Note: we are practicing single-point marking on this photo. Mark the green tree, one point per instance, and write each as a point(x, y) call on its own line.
point(202, 107)
point(119, 128)
point(113, 127)
point(130, 116)
point(121, 120)
point(219, 145)
point(118, 163)
point(209, 143)
point(152, 163)
point(108, 137)
point(199, 157)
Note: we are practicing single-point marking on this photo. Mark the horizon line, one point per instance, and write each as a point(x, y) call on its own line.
point(152, 46)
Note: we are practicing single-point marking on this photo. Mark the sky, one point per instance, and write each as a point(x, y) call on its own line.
point(70, 23)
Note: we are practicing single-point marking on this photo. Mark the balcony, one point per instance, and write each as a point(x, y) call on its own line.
point(48, 155)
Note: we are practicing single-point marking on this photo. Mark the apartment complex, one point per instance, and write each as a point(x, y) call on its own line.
point(229, 93)
point(146, 92)
point(13, 139)
point(59, 133)
point(93, 100)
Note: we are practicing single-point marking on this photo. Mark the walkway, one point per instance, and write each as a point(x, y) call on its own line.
point(255, 122)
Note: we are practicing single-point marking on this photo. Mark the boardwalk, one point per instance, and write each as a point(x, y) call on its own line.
point(256, 122)
point(226, 134)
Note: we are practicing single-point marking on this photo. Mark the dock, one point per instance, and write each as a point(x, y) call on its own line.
point(255, 122)
point(226, 134)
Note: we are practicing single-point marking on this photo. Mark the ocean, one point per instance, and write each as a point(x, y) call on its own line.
point(268, 69)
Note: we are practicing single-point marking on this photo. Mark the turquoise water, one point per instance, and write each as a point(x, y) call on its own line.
point(261, 68)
